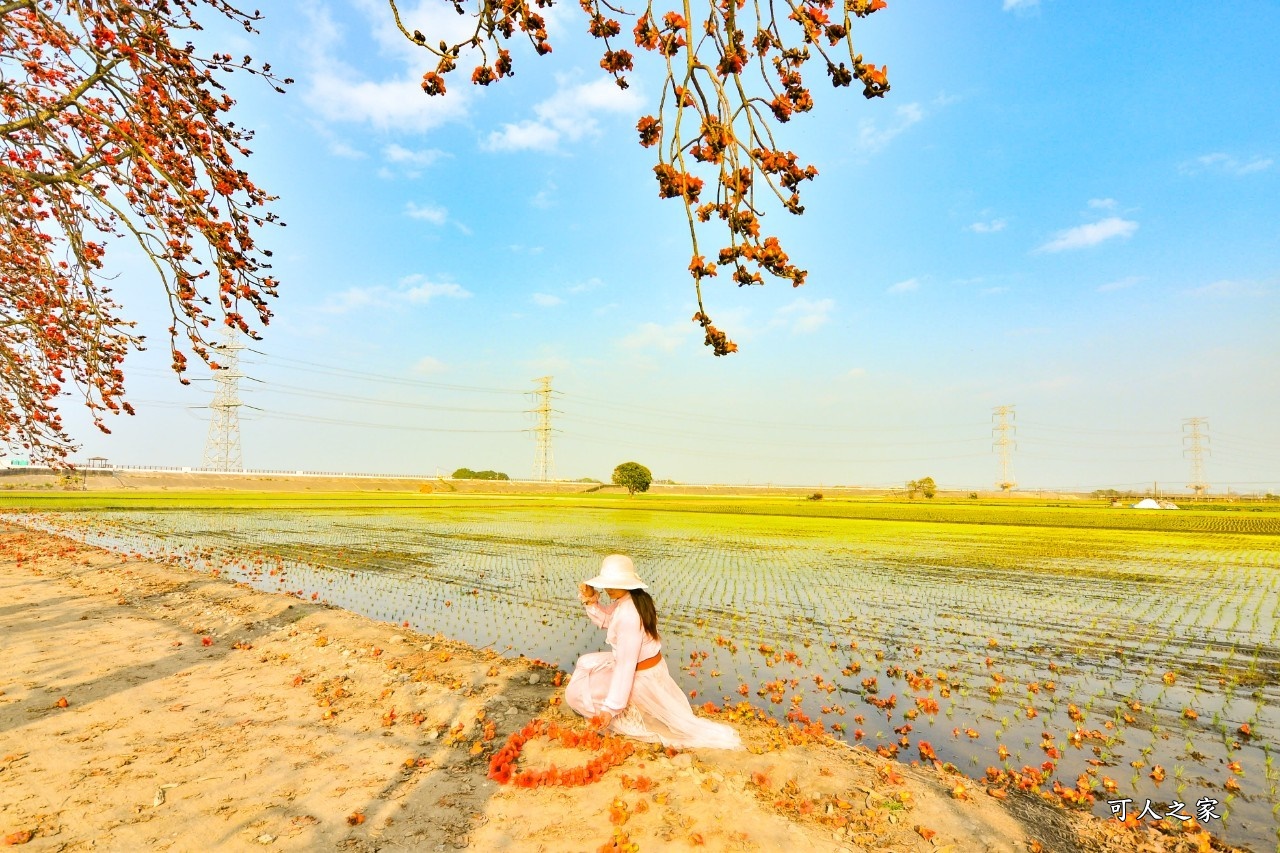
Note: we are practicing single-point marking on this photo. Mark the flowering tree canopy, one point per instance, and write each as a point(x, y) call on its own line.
point(733, 70)
point(111, 128)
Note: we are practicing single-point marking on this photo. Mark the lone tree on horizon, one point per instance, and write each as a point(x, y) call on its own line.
point(925, 486)
point(633, 476)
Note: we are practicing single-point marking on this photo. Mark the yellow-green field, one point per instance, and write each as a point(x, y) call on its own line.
point(1250, 517)
point(1114, 652)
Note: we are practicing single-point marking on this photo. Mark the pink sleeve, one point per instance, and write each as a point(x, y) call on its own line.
point(600, 614)
point(626, 654)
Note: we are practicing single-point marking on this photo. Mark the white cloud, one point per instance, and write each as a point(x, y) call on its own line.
point(545, 197)
point(1102, 203)
point(1221, 162)
point(1018, 5)
point(651, 336)
point(397, 104)
point(1090, 235)
point(548, 361)
point(338, 148)
point(857, 372)
point(1227, 288)
point(546, 300)
point(404, 156)
point(987, 227)
point(873, 138)
point(429, 16)
point(1056, 383)
point(1257, 164)
point(428, 364)
point(427, 212)
point(528, 135)
point(569, 115)
point(906, 286)
point(339, 93)
point(1119, 284)
point(418, 290)
point(993, 291)
point(352, 299)
point(804, 315)
point(583, 286)
point(414, 289)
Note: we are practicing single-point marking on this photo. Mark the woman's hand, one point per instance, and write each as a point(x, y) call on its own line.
point(588, 594)
point(603, 718)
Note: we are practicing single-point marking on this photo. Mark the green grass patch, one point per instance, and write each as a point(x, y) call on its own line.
point(1019, 513)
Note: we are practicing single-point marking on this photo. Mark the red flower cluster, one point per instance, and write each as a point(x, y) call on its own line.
point(650, 130)
point(674, 184)
point(709, 52)
point(112, 124)
point(716, 339)
point(502, 764)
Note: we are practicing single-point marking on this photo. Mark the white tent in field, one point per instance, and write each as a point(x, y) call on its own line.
point(1149, 503)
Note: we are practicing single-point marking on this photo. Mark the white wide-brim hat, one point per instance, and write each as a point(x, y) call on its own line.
point(617, 572)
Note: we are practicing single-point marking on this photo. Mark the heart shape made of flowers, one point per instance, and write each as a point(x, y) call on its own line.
point(612, 752)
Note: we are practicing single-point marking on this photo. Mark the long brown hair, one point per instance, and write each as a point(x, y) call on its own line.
point(648, 613)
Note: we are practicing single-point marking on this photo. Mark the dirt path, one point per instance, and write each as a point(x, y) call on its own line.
point(145, 707)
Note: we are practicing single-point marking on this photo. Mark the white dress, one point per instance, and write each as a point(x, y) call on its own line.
point(649, 705)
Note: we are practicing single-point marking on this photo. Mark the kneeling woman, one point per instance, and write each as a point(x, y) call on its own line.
point(631, 686)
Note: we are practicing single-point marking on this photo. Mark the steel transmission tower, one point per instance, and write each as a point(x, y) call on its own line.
point(222, 447)
point(543, 465)
point(1194, 441)
point(1002, 415)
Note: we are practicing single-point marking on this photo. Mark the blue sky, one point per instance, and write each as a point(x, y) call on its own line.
point(1073, 212)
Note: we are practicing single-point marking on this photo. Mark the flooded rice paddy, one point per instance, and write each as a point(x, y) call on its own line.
point(1107, 662)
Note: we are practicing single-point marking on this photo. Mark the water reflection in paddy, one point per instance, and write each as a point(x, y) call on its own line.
point(1126, 647)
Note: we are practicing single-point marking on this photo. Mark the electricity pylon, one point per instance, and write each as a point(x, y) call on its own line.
point(542, 459)
point(1003, 443)
point(222, 447)
point(1192, 439)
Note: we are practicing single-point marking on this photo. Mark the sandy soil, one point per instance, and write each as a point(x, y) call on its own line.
point(144, 707)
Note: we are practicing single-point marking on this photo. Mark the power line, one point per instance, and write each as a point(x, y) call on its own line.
point(313, 367)
point(721, 437)
point(720, 420)
point(299, 391)
point(701, 452)
point(268, 414)
point(1037, 440)
point(1092, 431)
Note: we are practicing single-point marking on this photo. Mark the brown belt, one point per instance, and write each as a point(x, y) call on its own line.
point(649, 663)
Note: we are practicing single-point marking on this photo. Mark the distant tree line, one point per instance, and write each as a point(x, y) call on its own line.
point(468, 474)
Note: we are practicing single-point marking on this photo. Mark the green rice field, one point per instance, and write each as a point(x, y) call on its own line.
point(1112, 653)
